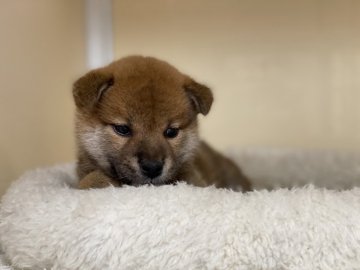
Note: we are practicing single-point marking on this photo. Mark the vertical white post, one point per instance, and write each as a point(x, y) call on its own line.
point(99, 33)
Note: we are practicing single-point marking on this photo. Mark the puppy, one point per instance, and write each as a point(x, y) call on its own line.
point(136, 124)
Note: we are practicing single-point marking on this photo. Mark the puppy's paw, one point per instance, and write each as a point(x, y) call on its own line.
point(96, 179)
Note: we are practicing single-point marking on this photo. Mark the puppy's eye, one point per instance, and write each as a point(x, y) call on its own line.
point(122, 130)
point(171, 132)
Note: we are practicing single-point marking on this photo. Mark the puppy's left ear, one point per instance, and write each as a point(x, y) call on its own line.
point(200, 96)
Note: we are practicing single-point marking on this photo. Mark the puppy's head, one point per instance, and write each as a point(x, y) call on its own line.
point(136, 119)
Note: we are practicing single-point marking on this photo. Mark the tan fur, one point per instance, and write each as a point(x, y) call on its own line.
point(150, 96)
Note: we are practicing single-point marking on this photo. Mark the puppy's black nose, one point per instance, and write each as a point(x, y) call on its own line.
point(151, 168)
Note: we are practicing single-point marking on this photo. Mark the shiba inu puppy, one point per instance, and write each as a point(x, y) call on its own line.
point(136, 123)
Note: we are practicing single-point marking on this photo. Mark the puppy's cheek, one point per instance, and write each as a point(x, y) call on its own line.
point(177, 143)
point(188, 145)
point(93, 140)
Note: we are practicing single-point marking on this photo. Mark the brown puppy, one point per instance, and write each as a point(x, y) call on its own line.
point(136, 123)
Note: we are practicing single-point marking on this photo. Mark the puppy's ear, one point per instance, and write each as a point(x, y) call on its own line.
point(200, 96)
point(89, 89)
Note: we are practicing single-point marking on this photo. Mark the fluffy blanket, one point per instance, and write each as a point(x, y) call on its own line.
point(47, 224)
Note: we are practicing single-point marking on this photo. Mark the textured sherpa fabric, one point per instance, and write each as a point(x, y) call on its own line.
point(47, 224)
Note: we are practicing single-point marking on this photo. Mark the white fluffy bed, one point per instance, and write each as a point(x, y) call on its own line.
point(47, 224)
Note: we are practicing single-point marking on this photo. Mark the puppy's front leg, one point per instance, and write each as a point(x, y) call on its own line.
point(196, 179)
point(97, 179)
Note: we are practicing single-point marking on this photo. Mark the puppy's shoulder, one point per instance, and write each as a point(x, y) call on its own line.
point(219, 170)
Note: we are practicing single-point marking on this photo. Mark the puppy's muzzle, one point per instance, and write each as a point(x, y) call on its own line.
point(151, 168)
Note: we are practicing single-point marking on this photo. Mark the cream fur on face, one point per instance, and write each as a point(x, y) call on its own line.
point(92, 139)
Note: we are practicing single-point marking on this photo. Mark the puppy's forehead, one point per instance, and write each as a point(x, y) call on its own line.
point(150, 94)
point(147, 91)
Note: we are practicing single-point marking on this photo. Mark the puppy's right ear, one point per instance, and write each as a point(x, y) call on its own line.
point(88, 90)
point(200, 96)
